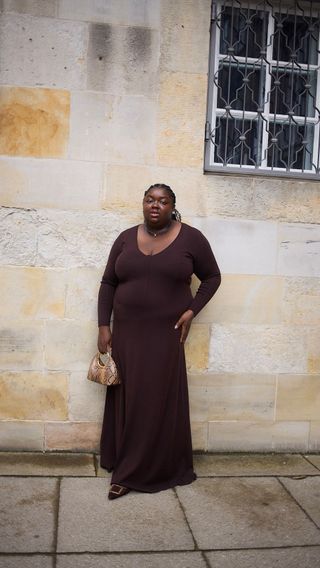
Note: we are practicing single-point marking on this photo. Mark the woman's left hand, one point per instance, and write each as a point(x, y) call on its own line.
point(185, 323)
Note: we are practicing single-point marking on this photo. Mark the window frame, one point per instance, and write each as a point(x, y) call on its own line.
point(212, 112)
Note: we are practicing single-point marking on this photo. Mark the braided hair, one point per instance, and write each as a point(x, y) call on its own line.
point(175, 213)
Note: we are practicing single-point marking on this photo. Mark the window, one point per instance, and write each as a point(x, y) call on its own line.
point(264, 89)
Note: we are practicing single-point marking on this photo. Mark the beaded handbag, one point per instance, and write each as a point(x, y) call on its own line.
point(105, 373)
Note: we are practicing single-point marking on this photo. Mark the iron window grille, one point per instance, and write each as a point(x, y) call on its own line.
point(264, 89)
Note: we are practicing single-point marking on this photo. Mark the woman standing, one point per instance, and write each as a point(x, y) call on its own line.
point(146, 437)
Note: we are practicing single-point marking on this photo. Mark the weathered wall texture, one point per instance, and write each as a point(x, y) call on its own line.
point(98, 99)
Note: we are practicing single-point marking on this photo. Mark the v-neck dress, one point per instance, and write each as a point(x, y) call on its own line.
point(146, 437)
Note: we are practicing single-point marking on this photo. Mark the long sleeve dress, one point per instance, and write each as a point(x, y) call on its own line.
point(146, 436)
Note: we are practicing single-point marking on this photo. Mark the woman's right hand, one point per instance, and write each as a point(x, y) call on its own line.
point(104, 339)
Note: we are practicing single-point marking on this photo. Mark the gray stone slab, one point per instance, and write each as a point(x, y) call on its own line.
point(212, 465)
point(245, 513)
point(49, 464)
point(43, 52)
point(307, 493)
point(315, 459)
point(279, 558)
point(23, 561)
point(136, 522)
point(159, 560)
point(27, 510)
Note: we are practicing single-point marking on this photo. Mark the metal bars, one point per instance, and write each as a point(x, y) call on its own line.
point(264, 88)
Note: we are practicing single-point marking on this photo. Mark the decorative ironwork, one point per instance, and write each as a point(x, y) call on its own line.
point(264, 96)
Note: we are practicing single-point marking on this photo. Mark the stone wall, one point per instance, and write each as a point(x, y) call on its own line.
point(98, 99)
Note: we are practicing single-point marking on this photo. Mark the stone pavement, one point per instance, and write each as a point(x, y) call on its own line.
point(244, 511)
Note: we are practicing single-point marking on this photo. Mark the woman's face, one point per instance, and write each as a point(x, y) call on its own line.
point(157, 207)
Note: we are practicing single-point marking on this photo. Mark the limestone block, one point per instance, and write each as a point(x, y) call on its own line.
point(258, 436)
point(123, 59)
point(124, 187)
point(82, 292)
point(257, 349)
point(245, 299)
point(232, 397)
point(313, 353)
point(142, 13)
point(299, 252)
point(72, 436)
point(197, 348)
point(199, 432)
point(189, 14)
point(298, 397)
point(241, 246)
point(301, 301)
point(314, 440)
point(86, 399)
point(47, 464)
point(112, 128)
point(131, 131)
point(34, 122)
point(33, 396)
point(33, 7)
point(182, 103)
point(287, 200)
point(42, 52)
point(21, 435)
point(228, 196)
point(30, 292)
point(56, 238)
point(89, 119)
point(71, 239)
point(58, 184)
point(21, 345)
point(70, 345)
point(18, 236)
point(185, 49)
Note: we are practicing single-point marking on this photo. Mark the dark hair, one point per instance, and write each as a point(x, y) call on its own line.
point(175, 213)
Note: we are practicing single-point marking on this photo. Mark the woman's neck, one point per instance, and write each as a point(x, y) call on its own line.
point(155, 231)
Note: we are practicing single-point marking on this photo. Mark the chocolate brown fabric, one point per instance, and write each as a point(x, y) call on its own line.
point(146, 438)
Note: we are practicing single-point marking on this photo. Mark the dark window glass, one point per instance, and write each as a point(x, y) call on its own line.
point(295, 38)
point(243, 32)
point(236, 141)
point(290, 146)
point(240, 86)
point(293, 92)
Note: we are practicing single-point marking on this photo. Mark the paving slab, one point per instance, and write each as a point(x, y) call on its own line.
point(212, 465)
point(304, 557)
point(23, 561)
point(27, 510)
point(89, 522)
point(307, 493)
point(46, 464)
point(156, 560)
point(245, 513)
point(315, 459)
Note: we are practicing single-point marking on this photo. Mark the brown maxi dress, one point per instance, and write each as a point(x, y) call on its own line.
point(146, 438)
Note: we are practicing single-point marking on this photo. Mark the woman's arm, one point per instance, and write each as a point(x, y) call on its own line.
point(205, 267)
point(107, 289)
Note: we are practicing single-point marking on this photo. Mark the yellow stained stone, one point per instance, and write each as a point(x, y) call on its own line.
point(34, 122)
point(197, 348)
point(33, 396)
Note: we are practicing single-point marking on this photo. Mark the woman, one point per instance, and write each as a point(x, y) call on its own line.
point(146, 438)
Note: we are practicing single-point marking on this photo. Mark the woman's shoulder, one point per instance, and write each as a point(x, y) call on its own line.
point(128, 233)
point(192, 232)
